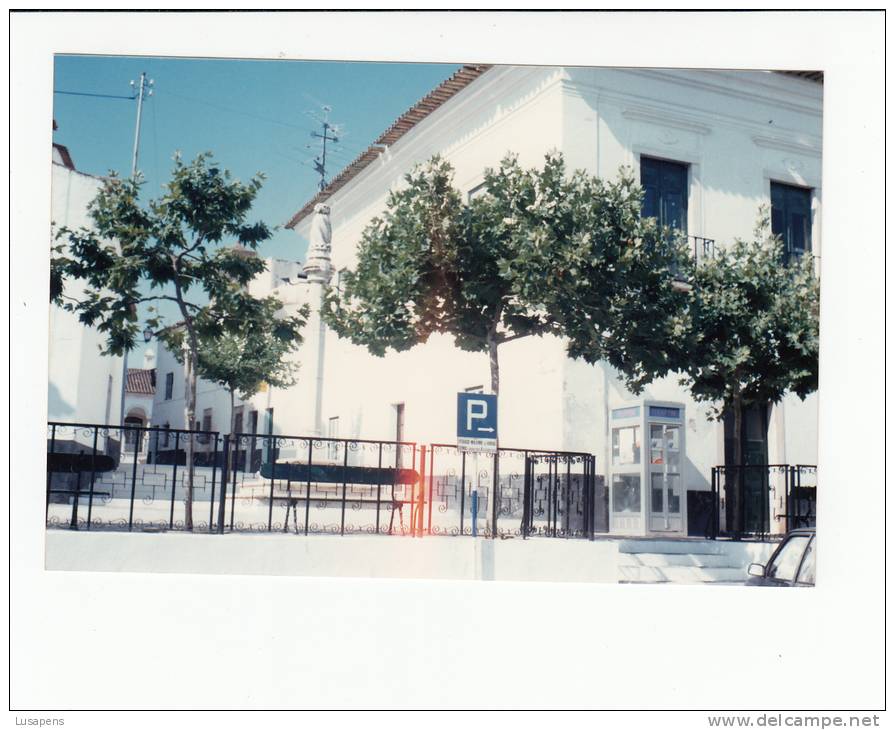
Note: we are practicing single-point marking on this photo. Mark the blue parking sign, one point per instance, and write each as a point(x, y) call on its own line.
point(476, 422)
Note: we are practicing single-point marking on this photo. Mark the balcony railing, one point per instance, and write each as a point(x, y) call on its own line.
point(703, 248)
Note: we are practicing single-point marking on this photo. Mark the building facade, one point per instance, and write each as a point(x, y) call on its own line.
point(84, 386)
point(709, 147)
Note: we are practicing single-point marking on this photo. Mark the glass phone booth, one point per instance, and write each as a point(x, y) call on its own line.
point(646, 468)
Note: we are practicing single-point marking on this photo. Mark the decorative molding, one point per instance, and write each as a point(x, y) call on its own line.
point(786, 145)
point(720, 82)
point(666, 136)
point(793, 165)
point(656, 116)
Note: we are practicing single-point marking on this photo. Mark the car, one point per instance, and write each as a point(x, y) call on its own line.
point(792, 564)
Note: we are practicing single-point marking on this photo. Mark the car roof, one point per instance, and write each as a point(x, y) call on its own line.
point(803, 531)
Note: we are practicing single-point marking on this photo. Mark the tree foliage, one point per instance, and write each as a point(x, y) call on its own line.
point(535, 252)
point(753, 324)
point(258, 354)
point(752, 336)
point(169, 250)
point(191, 247)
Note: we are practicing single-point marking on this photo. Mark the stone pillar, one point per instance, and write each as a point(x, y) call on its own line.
point(318, 269)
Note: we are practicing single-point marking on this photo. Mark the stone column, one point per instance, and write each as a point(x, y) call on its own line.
point(318, 269)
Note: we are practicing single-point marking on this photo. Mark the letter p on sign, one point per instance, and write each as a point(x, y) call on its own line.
point(475, 409)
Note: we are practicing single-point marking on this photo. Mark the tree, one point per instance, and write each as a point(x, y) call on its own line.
point(256, 355)
point(512, 262)
point(167, 251)
point(752, 333)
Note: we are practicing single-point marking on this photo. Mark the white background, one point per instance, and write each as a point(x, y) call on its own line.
point(160, 641)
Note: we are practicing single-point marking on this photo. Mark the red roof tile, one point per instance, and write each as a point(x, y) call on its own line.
point(140, 381)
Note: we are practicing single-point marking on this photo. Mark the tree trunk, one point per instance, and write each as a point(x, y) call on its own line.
point(738, 464)
point(190, 414)
point(234, 446)
point(495, 365)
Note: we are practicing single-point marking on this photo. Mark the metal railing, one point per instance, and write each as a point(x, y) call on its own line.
point(314, 485)
point(784, 492)
point(96, 480)
point(703, 248)
point(514, 492)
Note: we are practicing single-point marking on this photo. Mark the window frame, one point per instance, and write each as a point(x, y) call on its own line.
point(646, 159)
point(787, 188)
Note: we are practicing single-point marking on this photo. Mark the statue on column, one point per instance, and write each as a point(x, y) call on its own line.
point(319, 263)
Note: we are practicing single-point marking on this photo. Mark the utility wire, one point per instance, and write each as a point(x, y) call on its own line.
point(235, 111)
point(99, 96)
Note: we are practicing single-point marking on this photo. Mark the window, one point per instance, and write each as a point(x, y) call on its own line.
point(166, 437)
point(630, 412)
point(786, 562)
point(332, 431)
point(477, 192)
point(626, 445)
point(237, 420)
point(626, 493)
point(206, 419)
point(809, 563)
point(399, 422)
point(169, 386)
point(133, 436)
point(399, 434)
point(791, 218)
point(665, 192)
point(663, 412)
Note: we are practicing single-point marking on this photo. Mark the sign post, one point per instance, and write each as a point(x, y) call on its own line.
point(477, 434)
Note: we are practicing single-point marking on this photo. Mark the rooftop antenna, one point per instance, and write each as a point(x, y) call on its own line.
point(329, 135)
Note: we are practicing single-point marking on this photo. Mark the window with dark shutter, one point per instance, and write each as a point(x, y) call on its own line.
point(665, 192)
point(169, 386)
point(791, 218)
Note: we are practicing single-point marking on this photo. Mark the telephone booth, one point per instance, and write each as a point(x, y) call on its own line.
point(646, 469)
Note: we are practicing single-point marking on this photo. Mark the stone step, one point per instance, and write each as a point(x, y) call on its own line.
point(661, 560)
point(692, 547)
point(679, 574)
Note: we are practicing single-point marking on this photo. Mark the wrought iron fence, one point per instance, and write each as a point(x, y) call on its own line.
point(131, 477)
point(743, 495)
point(310, 485)
point(513, 492)
point(322, 485)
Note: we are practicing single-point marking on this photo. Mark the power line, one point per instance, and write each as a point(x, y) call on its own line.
point(99, 96)
point(235, 111)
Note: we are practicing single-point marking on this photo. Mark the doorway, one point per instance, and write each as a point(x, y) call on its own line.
point(665, 477)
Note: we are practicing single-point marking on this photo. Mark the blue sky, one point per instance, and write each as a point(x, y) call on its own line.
point(255, 116)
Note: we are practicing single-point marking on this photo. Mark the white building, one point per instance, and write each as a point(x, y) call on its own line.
point(719, 143)
point(84, 385)
point(139, 395)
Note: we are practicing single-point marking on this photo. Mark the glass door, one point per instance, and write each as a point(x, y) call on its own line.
point(665, 478)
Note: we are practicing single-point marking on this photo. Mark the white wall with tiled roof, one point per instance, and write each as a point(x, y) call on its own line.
point(737, 131)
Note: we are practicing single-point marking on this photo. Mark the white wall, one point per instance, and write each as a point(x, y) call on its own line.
point(453, 558)
point(737, 131)
point(84, 386)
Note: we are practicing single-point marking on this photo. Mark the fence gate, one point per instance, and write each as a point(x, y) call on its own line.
point(560, 496)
